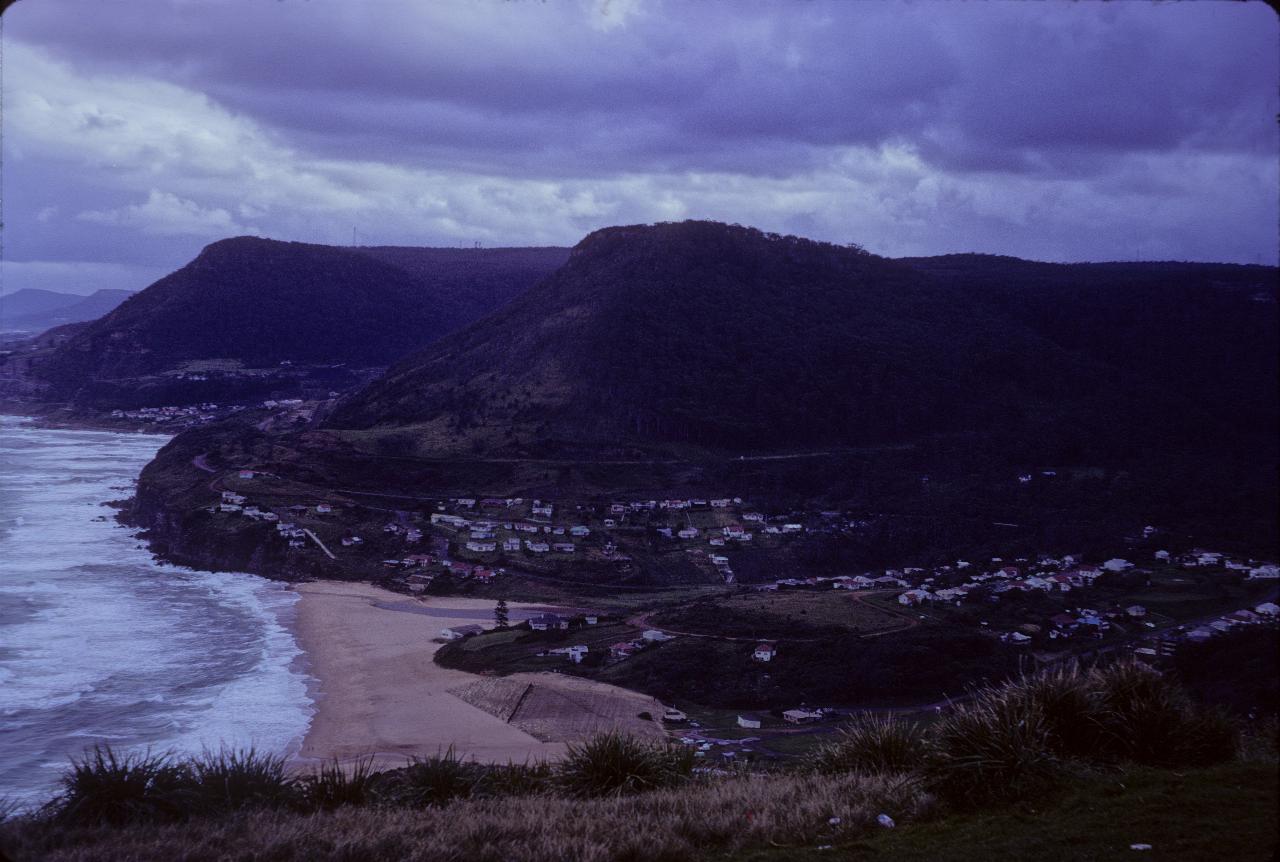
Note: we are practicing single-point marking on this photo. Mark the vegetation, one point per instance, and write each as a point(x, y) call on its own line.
point(872, 744)
point(615, 798)
point(614, 764)
point(262, 302)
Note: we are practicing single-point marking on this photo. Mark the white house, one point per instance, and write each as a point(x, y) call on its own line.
point(1115, 564)
point(802, 716)
point(764, 652)
point(749, 722)
point(655, 636)
point(1267, 609)
point(914, 597)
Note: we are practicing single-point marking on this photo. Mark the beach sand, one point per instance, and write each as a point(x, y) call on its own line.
point(381, 694)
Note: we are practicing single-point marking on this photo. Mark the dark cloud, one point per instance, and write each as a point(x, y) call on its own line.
point(915, 106)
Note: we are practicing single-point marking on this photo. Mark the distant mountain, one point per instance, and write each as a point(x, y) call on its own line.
point(258, 303)
point(731, 340)
point(78, 309)
point(33, 301)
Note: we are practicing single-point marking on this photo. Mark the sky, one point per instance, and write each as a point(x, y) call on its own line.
point(135, 133)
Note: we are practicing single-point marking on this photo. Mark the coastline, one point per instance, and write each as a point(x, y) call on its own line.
point(378, 692)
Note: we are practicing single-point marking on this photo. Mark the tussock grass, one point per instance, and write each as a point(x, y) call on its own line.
point(230, 780)
point(872, 744)
point(612, 763)
point(991, 751)
point(105, 788)
point(430, 781)
point(335, 785)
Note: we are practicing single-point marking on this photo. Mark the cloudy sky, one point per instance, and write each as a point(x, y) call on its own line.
point(135, 133)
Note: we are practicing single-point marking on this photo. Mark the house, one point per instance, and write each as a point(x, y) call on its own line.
point(914, 597)
point(540, 511)
point(688, 533)
point(351, 541)
point(1163, 556)
point(228, 507)
point(750, 722)
point(246, 474)
point(563, 547)
point(511, 544)
point(716, 542)
point(457, 632)
point(791, 528)
point(323, 509)
point(546, 622)
point(483, 575)
point(537, 547)
point(1137, 612)
point(1265, 572)
point(1267, 609)
point(580, 532)
point(416, 559)
point(764, 652)
point(482, 547)
point(610, 522)
point(577, 653)
point(655, 636)
point(754, 517)
point(1244, 616)
point(674, 715)
point(1063, 621)
point(1015, 638)
point(1201, 634)
point(623, 649)
point(801, 716)
point(1115, 564)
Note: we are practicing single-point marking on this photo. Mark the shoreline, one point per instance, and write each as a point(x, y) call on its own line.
point(378, 692)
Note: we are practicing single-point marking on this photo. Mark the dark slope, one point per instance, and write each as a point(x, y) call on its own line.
point(474, 281)
point(261, 302)
point(727, 338)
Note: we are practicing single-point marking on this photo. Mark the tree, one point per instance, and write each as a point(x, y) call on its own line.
point(500, 614)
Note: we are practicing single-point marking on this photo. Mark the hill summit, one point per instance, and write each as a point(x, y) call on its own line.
point(261, 302)
point(699, 334)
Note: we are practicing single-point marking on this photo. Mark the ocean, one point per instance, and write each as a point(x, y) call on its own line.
point(101, 644)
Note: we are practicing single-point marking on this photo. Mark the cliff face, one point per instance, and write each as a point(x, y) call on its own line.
point(171, 505)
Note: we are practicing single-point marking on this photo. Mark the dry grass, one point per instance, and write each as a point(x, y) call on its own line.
point(692, 822)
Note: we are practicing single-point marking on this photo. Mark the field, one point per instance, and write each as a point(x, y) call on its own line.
point(768, 615)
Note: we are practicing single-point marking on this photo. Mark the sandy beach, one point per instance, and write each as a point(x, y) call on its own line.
point(381, 694)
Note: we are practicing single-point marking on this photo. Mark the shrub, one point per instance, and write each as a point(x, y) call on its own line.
point(614, 764)
point(104, 788)
point(1067, 700)
point(229, 780)
point(336, 785)
point(431, 781)
point(872, 745)
point(1149, 719)
point(993, 750)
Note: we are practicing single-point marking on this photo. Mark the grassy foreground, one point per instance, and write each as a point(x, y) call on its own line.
point(1224, 812)
point(1064, 765)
